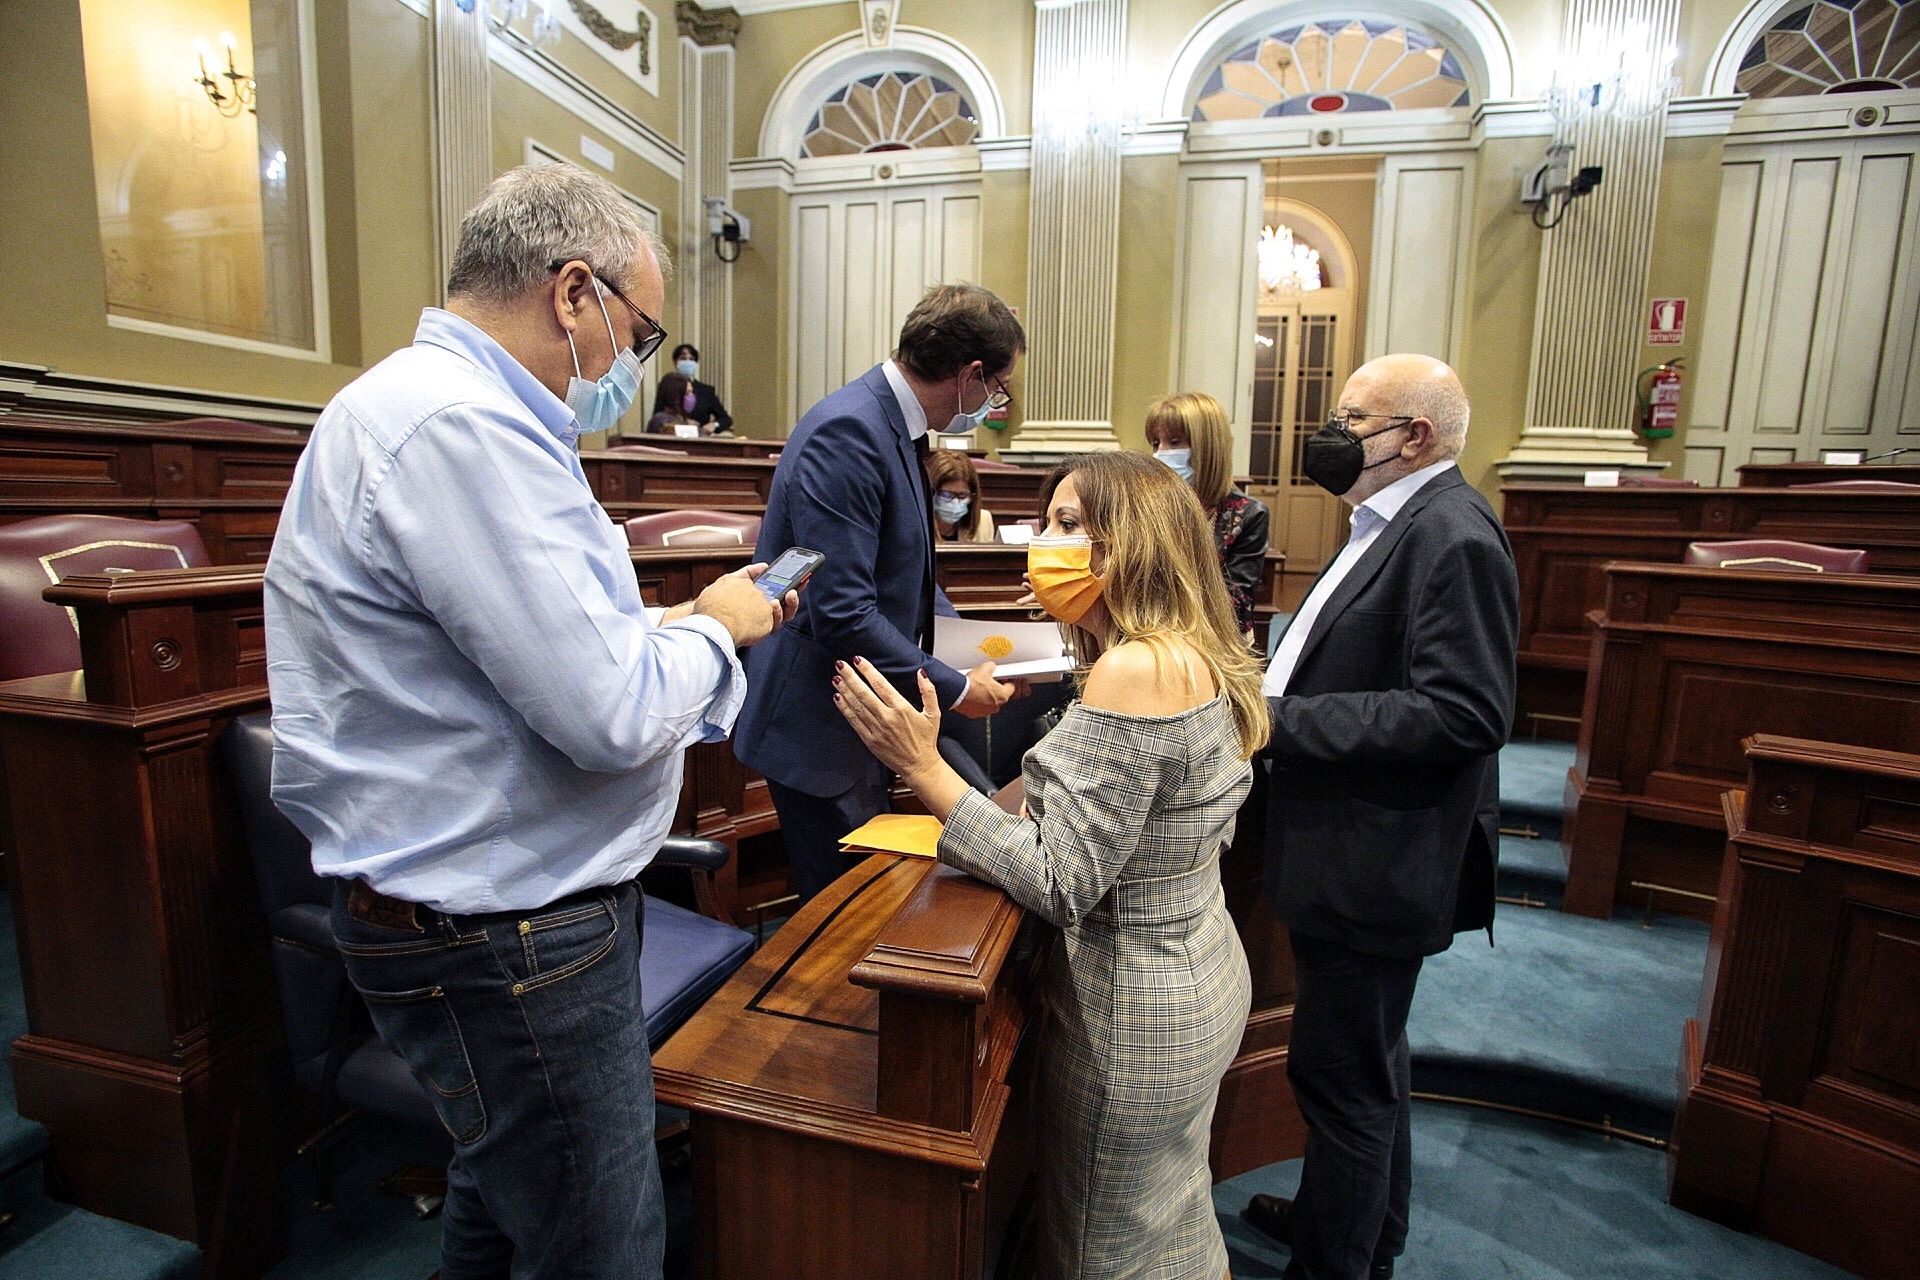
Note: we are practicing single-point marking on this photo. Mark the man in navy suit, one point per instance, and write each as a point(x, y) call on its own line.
point(850, 485)
point(1391, 695)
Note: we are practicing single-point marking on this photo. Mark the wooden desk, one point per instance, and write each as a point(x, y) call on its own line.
point(1685, 663)
point(150, 1006)
point(709, 446)
point(228, 478)
point(1800, 1110)
point(1012, 495)
point(1780, 475)
point(856, 1086)
point(1563, 537)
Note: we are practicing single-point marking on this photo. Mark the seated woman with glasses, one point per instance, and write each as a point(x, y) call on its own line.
point(1129, 803)
point(957, 513)
point(1190, 433)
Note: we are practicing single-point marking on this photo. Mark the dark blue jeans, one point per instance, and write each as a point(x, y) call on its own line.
point(527, 1032)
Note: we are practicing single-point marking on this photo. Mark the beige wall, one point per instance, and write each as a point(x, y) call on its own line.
point(374, 60)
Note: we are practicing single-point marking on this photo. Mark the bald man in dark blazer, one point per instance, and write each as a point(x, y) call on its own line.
point(1391, 694)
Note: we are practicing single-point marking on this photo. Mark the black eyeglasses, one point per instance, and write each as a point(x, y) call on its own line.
point(643, 347)
point(1347, 417)
point(998, 400)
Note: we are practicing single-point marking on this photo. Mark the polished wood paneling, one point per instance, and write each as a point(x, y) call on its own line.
point(229, 478)
point(1563, 537)
point(1685, 663)
point(860, 1070)
point(1800, 1111)
point(150, 1010)
point(1781, 475)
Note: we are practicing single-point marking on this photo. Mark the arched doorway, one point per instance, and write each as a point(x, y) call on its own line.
point(886, 197)
point(1305, 323)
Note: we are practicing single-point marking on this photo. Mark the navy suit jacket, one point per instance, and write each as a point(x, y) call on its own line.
point(848, 485)
point(1383, 819)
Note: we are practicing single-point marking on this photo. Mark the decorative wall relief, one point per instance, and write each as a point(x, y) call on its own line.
point(624, 32)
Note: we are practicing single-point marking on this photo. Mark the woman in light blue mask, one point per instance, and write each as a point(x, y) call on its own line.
point(957, 513)
point(1190, 433)
point(682, 400)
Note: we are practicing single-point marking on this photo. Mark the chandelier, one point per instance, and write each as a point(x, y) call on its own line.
point(1614, 71)
point(241, 94)
point(545, 31)
point(1287, 266)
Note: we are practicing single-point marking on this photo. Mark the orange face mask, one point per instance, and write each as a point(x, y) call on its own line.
point(1061, 570)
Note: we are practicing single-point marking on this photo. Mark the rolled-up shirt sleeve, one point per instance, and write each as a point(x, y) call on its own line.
point(501, 541)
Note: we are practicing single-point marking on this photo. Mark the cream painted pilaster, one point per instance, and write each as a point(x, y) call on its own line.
point(706, 132)
point(1079, 65)
point(462, 110)
point(1591, 302)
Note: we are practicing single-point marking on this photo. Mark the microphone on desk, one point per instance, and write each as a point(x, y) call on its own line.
point(1892, 453)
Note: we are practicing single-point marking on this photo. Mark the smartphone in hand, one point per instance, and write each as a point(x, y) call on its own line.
point(788, 572)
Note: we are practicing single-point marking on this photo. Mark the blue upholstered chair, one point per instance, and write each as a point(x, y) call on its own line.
point(684, 958)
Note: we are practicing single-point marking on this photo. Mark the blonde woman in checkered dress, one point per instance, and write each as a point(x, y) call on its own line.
point(1129, 803)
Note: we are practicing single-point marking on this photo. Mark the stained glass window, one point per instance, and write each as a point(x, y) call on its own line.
point(1322, 68)
point(1836, 46)
point(891, 111)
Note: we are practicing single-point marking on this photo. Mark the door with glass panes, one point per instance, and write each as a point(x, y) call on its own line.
point(1302, 356)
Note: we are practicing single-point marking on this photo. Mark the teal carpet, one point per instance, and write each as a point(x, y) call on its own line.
point(1501, 1196)
point(1574, 1017)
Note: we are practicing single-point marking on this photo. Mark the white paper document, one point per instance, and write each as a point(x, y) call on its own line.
point(1017, 649)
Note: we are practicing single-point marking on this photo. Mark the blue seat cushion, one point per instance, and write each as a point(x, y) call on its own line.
point(684, 958)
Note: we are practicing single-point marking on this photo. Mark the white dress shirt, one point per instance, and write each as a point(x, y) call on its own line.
point(909, 403)
point(1368, 519)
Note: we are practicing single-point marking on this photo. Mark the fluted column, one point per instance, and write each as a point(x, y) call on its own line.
point(1074, 211)
point(462, 118)
point(706, 133)
point(1590, 305)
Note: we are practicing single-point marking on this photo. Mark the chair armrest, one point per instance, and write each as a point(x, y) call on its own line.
point(687, 851)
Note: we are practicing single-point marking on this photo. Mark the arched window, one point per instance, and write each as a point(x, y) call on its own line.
point(890, 111)
point(1835, 46)
point(1334, 65)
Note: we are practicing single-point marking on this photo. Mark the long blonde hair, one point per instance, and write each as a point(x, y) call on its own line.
point(1208, 433)
point(1162, 573)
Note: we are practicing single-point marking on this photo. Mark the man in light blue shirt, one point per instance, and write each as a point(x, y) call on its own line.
point(481, 733)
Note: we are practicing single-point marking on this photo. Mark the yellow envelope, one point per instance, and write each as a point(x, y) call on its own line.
point(914, 834)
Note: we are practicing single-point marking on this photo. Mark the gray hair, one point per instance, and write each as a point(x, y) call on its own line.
point(1443, 402)
point(536, 215)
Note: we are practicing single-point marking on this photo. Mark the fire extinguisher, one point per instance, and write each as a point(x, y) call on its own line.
point(1658, 390)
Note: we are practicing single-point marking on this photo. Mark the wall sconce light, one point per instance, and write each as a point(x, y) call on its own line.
point(1553, 185)
point(545, 31)
point(241, 94)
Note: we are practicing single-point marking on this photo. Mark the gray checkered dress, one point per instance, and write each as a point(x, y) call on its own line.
point(1146, 987)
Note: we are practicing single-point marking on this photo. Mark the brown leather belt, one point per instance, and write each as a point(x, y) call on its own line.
point(365, 903)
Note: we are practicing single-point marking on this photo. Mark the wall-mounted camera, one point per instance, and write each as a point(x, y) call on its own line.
point(727, 227)
point(1553, 184)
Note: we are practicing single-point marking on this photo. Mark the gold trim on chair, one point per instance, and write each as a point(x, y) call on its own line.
point(1780, 560)
point(46, 562)
point(666, 539)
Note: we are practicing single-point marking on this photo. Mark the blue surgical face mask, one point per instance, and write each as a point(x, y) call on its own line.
point(948, 509)
point(964, 422)
point(598, 405)
point(1179, 459)
point(687, 368)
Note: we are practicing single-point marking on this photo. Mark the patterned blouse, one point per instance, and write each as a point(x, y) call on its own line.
point(1240, 531)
